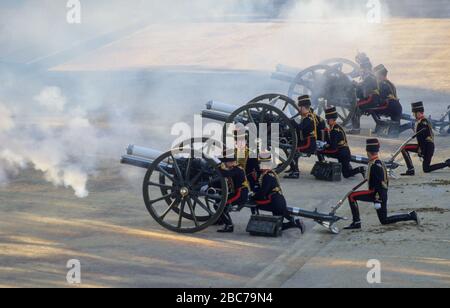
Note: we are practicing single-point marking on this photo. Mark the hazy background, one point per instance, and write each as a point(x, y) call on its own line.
point(73, 96)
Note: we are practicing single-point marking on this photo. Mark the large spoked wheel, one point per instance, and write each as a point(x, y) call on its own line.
point(348, 67)
point(253, 115)
point(191, 186)
point(327, 86)
point(310, 81)
point(207, 147)
point(280, 101)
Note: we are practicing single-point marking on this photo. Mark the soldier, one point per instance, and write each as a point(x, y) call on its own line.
point(378, 191)
point(368, 92)
point(269, 196)
point(425, 146)
point(245, 158)
point(337, 146)
point(390, 104)
point(238, 190)
point(321, 125)
point(307, 134)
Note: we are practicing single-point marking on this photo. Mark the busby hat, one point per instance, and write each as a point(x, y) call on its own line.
point(418, 107)
point(380, 70)
point(363, 60)
point(304, 101)
point(373, 145)
point(331, 113)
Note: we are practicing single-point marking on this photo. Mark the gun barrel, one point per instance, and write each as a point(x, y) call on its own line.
point(151, 154)
point(134, 161)
point(282, 77)
point(220, 107)
point(289, 70)
point(214, 115)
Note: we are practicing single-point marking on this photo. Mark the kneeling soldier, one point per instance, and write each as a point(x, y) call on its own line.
point(337, 146)
point(425, 147)
point(377, 193)
point(307, 134)
point(269, 196)
point(390, 106)
point(238, 190)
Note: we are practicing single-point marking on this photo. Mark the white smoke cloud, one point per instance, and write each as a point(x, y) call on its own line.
point(6, 121)
point(52, 132)
point(55, 146)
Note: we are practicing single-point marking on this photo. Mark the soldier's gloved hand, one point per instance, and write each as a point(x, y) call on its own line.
point(377, 206)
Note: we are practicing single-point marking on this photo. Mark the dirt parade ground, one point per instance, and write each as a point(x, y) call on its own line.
point(137, 85)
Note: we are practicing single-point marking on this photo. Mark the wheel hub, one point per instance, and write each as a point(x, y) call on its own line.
point(184, 191)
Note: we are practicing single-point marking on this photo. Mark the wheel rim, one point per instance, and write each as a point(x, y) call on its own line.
point(348, 67)
point(327, 86)
point(207, 146)
point(186, 188)
point(280, 101)
point(257, 113)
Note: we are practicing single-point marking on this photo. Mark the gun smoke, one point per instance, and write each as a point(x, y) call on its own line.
point(55, 129)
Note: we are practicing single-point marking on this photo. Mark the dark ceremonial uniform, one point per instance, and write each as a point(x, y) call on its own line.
point(390, 104)
point(253, 172)
point(251, 167)
point(338, 148)
point(377, 193)
point(238, 190)
point(269, 197)
point(306, 134)
point(307, 137)
point(425, 148)
point(321, 126)
point(369, 98)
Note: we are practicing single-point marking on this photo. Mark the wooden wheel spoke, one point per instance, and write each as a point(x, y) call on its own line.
point(159, 185)
point(161, 198)
point(250, 116)
point(177, 168)
point(165, 173)
point(180, 214)
point(170, 208)
point(188, 169)
point(203, 206)
point(191, 208)
point(210, 196)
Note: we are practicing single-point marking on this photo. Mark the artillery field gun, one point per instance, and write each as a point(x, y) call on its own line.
point(185, 194)
point(183, 188)
point(332, 83)
point(273, 109)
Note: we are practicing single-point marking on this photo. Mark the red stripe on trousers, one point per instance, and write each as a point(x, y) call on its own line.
point(410, 147)
point(265, 202)
point(305, 147)
point(360, 193)
point(236, 197)
point(365, 102)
